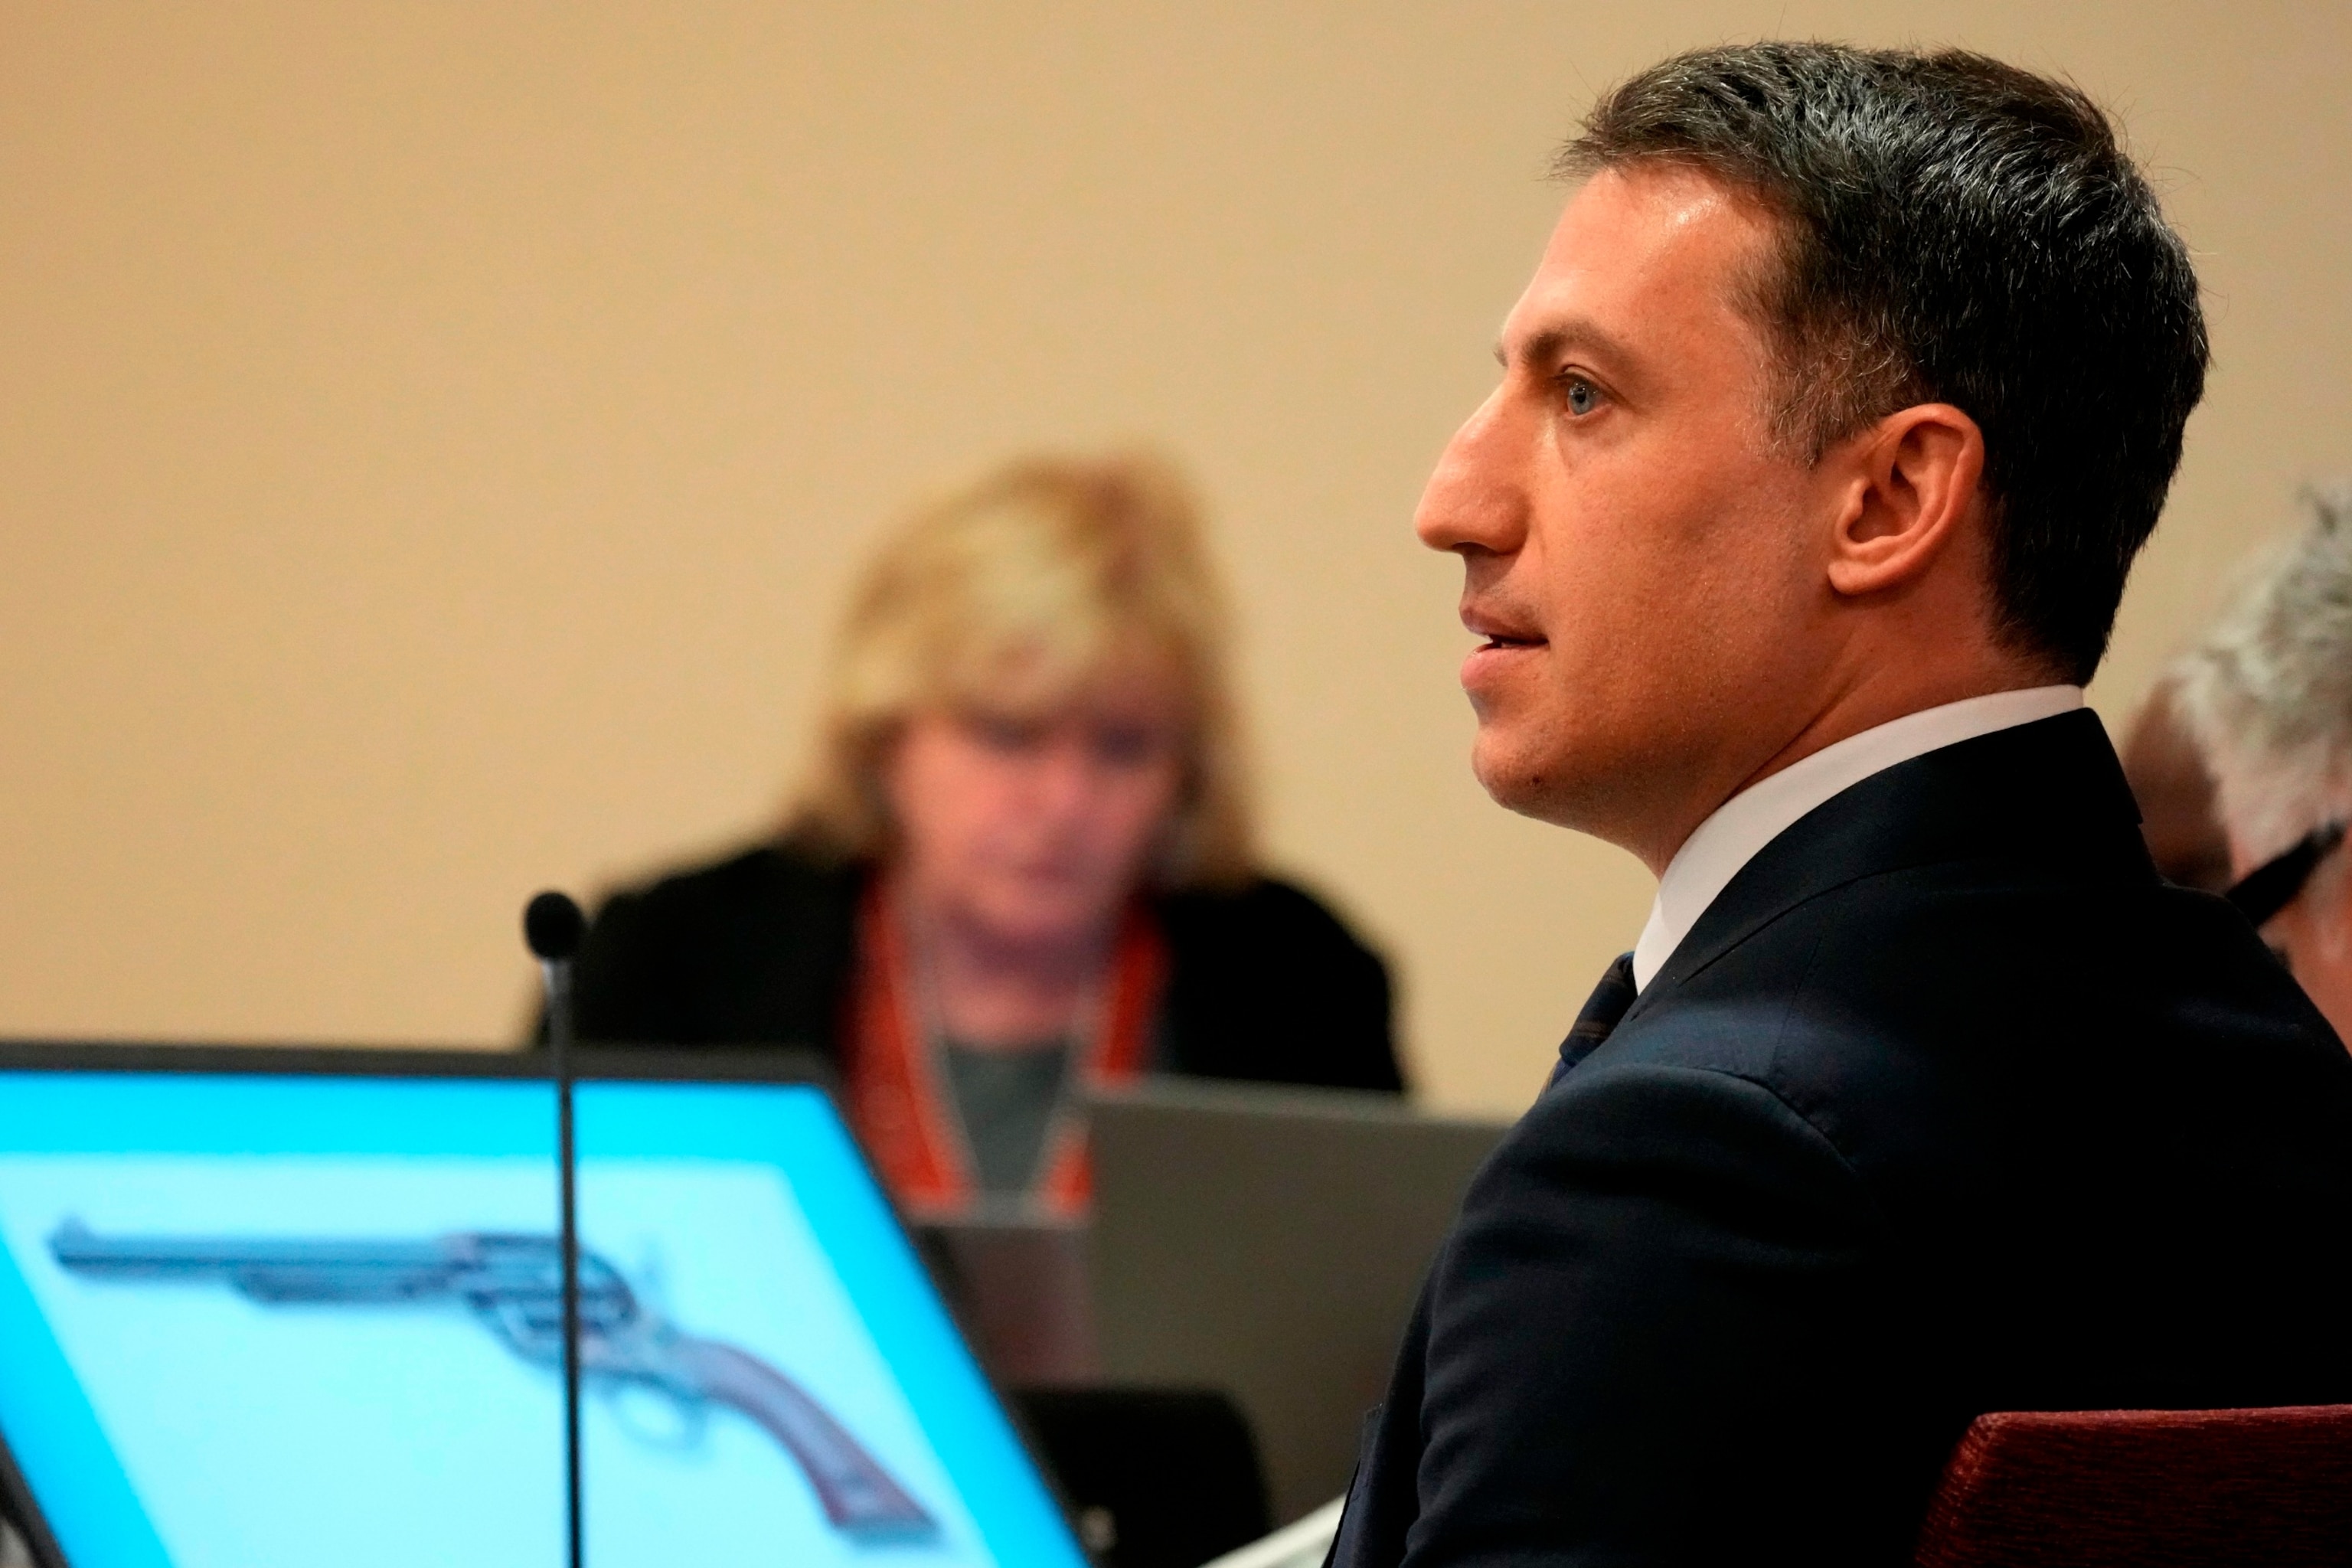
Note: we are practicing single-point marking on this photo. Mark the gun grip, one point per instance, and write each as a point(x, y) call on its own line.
point(858, 1495)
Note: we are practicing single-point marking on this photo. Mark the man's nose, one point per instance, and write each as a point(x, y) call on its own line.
point(1473, 501)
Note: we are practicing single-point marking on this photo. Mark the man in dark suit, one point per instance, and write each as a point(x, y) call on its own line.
point(1848, 386)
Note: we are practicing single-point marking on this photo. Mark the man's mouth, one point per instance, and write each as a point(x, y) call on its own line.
point(1497, 634)
point(1500, 649)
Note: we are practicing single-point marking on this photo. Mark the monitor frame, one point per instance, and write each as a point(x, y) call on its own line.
point(599, 1062)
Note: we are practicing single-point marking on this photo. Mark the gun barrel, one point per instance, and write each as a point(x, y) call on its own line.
point(289, 1269)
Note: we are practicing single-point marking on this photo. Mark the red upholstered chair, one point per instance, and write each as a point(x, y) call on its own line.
point(2122, 1489)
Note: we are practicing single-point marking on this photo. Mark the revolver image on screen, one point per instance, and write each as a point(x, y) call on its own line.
point(513, 1285)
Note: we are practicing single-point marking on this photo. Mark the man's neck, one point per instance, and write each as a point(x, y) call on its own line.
point(1879, 693)
point(1740, 828)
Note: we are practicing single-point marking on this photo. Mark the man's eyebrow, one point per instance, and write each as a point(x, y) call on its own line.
point(1553, 341)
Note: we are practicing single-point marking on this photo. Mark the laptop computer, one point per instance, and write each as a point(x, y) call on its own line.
point(1018, 1288)
point(1270, 1242)
point(267, 1306)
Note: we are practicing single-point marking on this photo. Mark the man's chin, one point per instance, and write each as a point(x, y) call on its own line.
point(1576, 787)
point(1518, 785)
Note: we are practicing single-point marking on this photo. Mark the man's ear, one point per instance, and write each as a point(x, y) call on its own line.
point(1912, 485)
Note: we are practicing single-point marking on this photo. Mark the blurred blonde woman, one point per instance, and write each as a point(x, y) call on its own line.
point(1022, 866)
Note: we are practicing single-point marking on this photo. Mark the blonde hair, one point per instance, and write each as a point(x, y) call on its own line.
point(1018, 593)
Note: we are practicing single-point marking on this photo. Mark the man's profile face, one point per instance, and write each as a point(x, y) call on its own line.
point(1639, 554)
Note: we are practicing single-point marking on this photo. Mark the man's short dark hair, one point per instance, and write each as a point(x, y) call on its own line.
point(1956, 230)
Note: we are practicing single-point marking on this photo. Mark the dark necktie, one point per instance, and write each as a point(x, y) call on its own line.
point(1601, 1010)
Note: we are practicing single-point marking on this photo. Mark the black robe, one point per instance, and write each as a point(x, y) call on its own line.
point(1265, 983)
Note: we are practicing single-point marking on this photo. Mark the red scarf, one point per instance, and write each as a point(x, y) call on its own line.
point(902, 1111)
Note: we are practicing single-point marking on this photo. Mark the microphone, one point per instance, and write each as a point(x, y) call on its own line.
point(553, 927)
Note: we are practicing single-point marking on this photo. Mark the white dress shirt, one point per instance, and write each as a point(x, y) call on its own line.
point(1758, 815)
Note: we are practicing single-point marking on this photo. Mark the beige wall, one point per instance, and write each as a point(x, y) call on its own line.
point(434, 437)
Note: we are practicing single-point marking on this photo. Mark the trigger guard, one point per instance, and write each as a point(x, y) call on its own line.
point(692, 1417)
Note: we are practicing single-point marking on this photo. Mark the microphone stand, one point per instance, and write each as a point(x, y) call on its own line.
point(553, 926)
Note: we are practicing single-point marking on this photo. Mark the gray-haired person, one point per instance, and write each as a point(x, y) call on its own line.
point(2268, 693)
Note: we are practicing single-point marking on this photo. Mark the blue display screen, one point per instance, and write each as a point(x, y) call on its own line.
point(249, 1322)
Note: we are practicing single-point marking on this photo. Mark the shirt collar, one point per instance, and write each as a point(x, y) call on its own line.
point(1749, 820)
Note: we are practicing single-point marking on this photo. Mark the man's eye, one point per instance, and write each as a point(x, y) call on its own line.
point(1581, 395)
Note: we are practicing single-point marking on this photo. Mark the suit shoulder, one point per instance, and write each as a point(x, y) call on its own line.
point(2001, 952)
point(1942, 1025)
point(1642, 1111)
